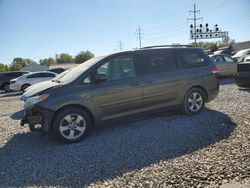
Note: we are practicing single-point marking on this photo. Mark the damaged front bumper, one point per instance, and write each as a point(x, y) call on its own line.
point(37, 118)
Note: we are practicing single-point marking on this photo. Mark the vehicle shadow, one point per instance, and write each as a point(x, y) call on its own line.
point(17, 115)
point(30, 159)
point(10, 94)
point(244, 89)
point(227, 80)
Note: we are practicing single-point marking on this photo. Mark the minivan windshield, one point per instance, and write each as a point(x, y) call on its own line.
point(79, 70)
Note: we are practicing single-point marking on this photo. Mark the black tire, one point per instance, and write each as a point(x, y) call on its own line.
point(187, 105)
point(6, 87)
point(60, 122)
point(25, 86)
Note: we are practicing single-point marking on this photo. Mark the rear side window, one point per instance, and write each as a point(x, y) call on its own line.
point(47, 75)
point(41, 75)
point(157, 61)
point(191, 58)
point(37, 75)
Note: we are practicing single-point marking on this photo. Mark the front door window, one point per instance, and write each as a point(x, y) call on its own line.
point(118, 68)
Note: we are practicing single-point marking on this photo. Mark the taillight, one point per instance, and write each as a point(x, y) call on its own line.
point(215, 70)
point(12, 82)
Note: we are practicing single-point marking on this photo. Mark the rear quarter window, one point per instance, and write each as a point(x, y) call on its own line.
point(191, 58)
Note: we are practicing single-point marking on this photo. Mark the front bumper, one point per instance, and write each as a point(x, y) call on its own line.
point(37, 116)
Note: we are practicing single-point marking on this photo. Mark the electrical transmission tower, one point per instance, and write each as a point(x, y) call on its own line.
point(195, 19)
point(139, 34)
point(120, 45)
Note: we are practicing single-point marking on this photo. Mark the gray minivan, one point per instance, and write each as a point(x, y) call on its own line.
point(121, 84)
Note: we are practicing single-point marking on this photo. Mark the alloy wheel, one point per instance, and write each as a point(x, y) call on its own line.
point(195, 102)
point(72, 126)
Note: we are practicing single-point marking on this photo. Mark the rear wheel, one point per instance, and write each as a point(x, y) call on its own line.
point(194, 101)
point(24, 87)
point(71, 125)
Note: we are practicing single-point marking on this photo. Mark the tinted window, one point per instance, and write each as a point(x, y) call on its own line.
point(37, 75)
point(47, 75)
point(41, 75)
point(118, 68)
point(157, 61)
point(191, 58)
point(17, 74)
point(6, 75)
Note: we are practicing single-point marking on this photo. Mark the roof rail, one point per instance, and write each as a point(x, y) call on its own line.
point(159, 46)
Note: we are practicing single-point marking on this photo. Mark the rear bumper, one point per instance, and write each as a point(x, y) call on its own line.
point(242, 81)
point(14, 87)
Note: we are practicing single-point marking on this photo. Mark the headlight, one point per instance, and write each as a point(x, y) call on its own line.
point(33, 100)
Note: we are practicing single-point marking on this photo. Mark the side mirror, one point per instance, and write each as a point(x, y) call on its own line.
point(100, 77)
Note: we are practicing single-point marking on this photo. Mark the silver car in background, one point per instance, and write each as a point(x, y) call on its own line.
point(226, 64)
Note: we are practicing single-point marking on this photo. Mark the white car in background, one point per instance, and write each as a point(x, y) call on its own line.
point(241, 54)
point(40, 86)
point(23, 82)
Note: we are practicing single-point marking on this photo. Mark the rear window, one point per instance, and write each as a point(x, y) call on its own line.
point(157, 61)
point(191, 58)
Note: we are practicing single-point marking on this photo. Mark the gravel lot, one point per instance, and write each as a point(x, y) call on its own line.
point(161, 150)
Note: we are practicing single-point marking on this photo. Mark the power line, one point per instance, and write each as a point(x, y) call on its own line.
point(195, 19)
point(120, 45)
point(139, 34)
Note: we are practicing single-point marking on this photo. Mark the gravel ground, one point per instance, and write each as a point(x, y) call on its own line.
point(211, 149)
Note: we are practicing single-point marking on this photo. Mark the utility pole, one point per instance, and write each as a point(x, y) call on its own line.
point(195, 19)
point(120, 45)
point(139, 34)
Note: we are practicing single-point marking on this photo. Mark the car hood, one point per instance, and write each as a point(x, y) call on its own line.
point(37, 88)
point(236, 56)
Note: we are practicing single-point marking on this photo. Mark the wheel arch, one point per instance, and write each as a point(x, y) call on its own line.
point(84, 108)
point(202, 89)
point(24, 85)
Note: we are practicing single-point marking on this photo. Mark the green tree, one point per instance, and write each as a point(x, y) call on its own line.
point(19, 63)
point(4, 68)
point(47, 61)
point(65, 58)
point(83, 56)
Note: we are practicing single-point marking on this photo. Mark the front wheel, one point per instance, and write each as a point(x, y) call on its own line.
point(194, 101)
point(71, 125)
